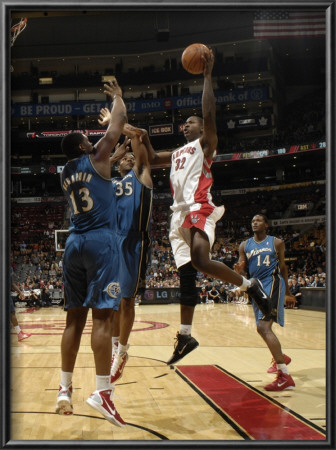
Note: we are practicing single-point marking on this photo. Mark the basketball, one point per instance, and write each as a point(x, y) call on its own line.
point(191, 58)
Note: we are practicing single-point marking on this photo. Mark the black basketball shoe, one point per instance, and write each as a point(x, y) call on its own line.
point(258, 294)
point(184, 344)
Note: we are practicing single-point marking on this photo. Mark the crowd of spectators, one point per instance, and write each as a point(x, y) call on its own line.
point(37, 263)
point(38, 266)
point(38, 269)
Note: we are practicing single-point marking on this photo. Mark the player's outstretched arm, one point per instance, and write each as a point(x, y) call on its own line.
point(154, 158)
point(209, 139)
point(118, 118)
point(142, 166)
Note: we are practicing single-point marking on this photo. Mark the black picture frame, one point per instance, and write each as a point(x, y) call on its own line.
point(6, 7)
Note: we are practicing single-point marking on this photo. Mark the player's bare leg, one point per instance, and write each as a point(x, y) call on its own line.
point(101, 342)
point(127, 314)
point(75, 323)
point(264, 328)
point(200, 249)
point(283, 379)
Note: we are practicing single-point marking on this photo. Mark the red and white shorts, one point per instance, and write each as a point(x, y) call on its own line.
point(204, 218)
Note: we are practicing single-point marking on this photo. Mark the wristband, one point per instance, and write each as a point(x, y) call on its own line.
point(116, 95)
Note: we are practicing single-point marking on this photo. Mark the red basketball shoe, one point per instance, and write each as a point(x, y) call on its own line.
point(283, 381)
point(102, 402)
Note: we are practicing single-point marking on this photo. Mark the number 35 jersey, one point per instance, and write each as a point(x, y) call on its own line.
point(190, 177)
point(262, 258)
point(90, 196)
point(134, 203)
point(134, 208)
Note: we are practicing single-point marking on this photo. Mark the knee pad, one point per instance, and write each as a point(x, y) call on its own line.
point(188, 290)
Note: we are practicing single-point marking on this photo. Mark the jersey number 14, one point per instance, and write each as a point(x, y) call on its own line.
point(266, 261)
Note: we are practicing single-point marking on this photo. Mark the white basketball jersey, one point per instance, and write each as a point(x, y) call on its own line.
point(190, 177)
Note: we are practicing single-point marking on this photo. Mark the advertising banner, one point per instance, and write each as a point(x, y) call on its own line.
point(138, 106)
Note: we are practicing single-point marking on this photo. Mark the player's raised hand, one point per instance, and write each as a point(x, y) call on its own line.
point(131, 131)
point(104, 117)
point(120, 150)
point(208, 59)
point(112, 88)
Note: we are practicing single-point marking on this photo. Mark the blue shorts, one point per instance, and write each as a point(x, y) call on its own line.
point(133, 259)
point(274, 286)
point(90, 269)
point(12, 304)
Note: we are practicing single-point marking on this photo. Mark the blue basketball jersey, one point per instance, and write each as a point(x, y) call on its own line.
point(134, 209)
point(91, 197)
point(263, 264)
point(134, 203)
point(262, 258)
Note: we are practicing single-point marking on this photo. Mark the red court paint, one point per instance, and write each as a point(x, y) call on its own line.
point(253, 414)
point(56, 326)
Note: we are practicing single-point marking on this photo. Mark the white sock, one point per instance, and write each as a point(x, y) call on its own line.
point(283, 368)
point(103, 382)
point(18, 329)
point(245, 284)
point(185, 329)
point(122, 348)
point(66, 378)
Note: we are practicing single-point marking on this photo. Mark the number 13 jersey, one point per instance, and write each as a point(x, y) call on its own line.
point(91, 196)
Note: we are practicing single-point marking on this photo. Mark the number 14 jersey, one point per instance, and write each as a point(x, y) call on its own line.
point(262, 258)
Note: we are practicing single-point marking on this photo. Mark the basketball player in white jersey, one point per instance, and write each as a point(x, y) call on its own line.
point(193, 222)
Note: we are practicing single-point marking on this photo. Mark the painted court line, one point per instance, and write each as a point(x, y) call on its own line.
point(254, 415)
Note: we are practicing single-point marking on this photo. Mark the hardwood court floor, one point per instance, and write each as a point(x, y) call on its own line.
point(159, 402)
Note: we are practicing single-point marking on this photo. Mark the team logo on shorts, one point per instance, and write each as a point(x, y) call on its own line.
point(113, 290)
point(194, 219)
